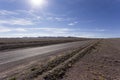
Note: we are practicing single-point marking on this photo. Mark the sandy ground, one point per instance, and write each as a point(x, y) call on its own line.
point(101, 64)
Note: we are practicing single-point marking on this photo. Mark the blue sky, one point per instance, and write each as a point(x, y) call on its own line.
point(81, 18)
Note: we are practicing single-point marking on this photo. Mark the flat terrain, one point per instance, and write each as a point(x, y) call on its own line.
point(14, 58)
point(81, 60)
point(101, 64)
point(10, 56)
point(13, 43)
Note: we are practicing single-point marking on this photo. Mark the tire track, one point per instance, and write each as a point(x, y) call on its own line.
point(56, 68)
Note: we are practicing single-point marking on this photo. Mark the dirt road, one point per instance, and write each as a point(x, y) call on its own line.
point(14, 58)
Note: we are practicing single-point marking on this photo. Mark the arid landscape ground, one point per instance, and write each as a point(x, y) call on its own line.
point(59, 39)
point(103, 63)
point(86, 59)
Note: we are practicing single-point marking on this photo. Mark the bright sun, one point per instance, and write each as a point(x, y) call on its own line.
point(37, 3)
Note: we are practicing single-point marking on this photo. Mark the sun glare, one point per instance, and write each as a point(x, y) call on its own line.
point(37, 3)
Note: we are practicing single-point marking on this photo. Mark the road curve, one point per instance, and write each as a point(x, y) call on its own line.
point(19, 54)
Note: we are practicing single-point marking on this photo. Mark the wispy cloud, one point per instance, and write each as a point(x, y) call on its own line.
point(50, 31)
point(47, 29)
point(73, 23)
point(92, 30)
point(30, 32)
point(53, 30)
point(6, 12)
point(17, 21)
point(59, 19)
point(4, 29)
point(11, 26)
point(26, 17)
point(7, 29)
point(19, 30)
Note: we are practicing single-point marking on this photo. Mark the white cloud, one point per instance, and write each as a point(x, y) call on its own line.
point(48, 30)
point(59, 19)
point(30, 32)
point(20, 30)
point(73, 23)
point(56, 18)
point(52, 30)
point(35, 32)
point(26, 17)
point(86, 34)
point(4, 29)
point(6, 12)
point(18, 21)
point(92, 30)
point(7, 29)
